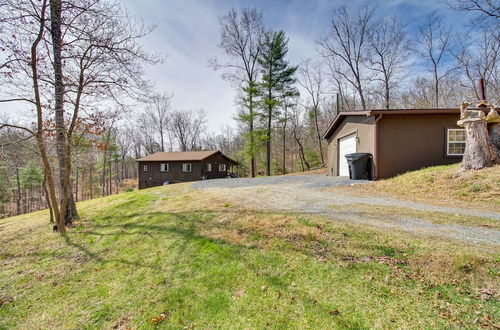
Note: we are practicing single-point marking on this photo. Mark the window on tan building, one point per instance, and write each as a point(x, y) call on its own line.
point(455, 142)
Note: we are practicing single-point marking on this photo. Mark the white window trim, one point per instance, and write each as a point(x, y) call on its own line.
point(448, 141)
point(209, 167)
point(184, 168)
point(225, 168)
point(166, 166)
point(145, 168)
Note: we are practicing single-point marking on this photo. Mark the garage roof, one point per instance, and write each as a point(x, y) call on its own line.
point(329, 131)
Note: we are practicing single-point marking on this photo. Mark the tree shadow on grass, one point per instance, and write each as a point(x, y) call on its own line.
point(180, 226)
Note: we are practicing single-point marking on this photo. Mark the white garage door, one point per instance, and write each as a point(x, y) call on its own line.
point(347, 145)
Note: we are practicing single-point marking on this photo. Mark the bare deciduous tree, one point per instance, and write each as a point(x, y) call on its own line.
point(297, 127)
point(433, 45)
point(241, 38)
point(346, 42)
point(187, 127)
point(390, 49)
point(159, 113)
point(312, 79)
point(478, 56)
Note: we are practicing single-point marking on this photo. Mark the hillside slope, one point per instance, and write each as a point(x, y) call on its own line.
point(175, 257)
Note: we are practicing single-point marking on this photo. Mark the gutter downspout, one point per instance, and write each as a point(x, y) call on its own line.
point(375, 139)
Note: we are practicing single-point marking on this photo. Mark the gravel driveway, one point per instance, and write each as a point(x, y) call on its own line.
point(303, 194)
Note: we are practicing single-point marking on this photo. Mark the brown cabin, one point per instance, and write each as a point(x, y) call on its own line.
point(400, 140)
point(173, 167)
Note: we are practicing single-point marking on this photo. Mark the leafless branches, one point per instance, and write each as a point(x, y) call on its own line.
point(312, 79)
point(187, 128)
point(485, 8)
point(433, 45)
point(346, 44)
point(478, 56)
point(158, 113)
point(389, 49)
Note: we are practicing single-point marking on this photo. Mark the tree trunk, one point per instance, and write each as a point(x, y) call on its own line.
point(103, 174)
point(284, 146)
point(318, 134)
point(91, 182)
point(268, 141)
point(436, 87)
point(360, 92)
point(18, 199)
point(252, 137)
point(123, 175)
point(117, 175)
point(494, 133)
point(76, 184)
point(301, 153)
point(47, 200)
point(387, 92)
point(68, 206)
point(480, 151)
point(110, 190)
point(39, 115)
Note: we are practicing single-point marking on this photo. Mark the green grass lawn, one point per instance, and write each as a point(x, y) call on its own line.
point(171, 257)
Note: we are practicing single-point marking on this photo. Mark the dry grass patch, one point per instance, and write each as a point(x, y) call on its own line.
point(381, 211)
point(323, 170)
point(442, 185)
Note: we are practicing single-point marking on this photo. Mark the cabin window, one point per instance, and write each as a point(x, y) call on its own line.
point(455, 142)
point(222, 167)
point(164, 168)
point(145, 168)
point(209, 167)
point(186, 167)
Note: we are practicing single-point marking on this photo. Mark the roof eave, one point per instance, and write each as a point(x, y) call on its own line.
point(337, 119)
point(415, 112)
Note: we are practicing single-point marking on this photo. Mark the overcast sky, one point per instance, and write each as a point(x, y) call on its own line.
point(188, 31)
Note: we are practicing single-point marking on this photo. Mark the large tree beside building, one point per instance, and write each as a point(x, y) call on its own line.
point(278, 79)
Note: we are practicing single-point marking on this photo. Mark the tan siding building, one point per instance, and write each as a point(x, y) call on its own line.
point(399, 140)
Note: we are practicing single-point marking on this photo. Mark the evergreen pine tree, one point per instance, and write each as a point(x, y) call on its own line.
point(278, 79)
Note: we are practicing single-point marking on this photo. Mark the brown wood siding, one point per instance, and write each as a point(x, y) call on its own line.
point(215, 160)
point(362, 126)
point(411, 142)
point(154, 177)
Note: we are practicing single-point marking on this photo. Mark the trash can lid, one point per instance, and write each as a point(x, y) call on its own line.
point(357, 156)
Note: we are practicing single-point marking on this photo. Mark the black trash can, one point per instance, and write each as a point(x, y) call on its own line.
point(360, 165)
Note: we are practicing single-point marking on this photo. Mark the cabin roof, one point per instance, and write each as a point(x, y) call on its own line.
point(180, 156)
